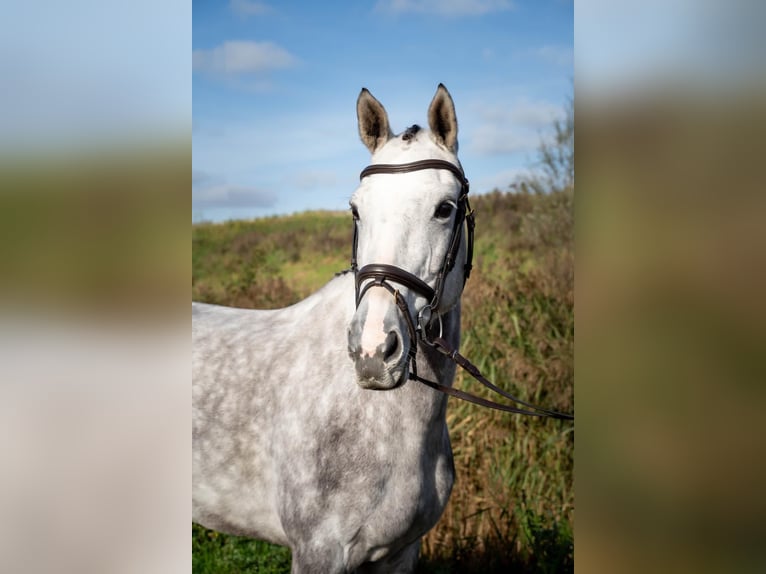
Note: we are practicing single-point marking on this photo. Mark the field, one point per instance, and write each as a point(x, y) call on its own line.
point(512, 506)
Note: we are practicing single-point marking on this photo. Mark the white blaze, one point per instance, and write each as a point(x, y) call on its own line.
point(374, 332)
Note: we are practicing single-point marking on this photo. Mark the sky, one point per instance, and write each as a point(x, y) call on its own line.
point(274, 88)
point(93, 74)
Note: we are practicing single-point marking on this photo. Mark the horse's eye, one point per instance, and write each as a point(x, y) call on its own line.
point(355, 213)
point(444, 210)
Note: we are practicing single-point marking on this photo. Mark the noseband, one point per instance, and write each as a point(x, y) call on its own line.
point(382, 274)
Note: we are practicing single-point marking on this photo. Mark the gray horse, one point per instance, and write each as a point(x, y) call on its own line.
point(307, 429)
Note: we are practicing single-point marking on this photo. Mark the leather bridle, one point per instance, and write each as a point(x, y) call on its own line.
point(383, 275)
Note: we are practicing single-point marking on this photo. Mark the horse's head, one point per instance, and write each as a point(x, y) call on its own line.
point(410, 249)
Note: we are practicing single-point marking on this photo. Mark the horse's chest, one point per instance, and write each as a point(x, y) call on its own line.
point(351, 483)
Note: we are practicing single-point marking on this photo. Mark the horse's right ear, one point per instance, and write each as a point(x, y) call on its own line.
point(442, 119)
point(373, 121)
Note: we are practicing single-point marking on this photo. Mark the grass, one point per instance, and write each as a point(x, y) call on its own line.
point(215, 553)
point(268, 263)
point(512, 506)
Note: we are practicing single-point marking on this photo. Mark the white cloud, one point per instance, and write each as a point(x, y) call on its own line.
point(249, 8)
point(444, 7)
point(242, 57)
point(490, 139)
point(232, 196)
point(513, 128)
point(313, 179)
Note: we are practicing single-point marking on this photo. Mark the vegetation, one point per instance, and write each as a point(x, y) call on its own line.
point(513, 501)
point(512, 506)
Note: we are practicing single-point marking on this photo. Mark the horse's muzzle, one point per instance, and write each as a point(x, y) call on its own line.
point(380, 361)
point(383, 369)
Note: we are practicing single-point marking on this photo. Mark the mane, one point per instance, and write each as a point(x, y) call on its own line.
point(410, 132)
point(412, 144)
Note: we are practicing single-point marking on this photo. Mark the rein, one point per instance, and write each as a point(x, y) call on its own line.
point(380, 275)
point(443, 347)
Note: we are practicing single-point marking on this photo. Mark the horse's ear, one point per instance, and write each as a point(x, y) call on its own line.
point(442, 119)
point(373, 121)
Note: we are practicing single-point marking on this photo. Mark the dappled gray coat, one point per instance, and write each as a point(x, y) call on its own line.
point(306, 429)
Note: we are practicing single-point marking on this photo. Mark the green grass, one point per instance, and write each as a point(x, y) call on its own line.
point(268, 263)
point(215, 553)
point(512, 506)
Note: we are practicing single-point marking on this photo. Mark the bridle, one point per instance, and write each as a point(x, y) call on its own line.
point(383, 275)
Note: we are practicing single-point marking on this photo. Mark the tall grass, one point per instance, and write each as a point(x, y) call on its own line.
point(268, 263)
point(512, 506)
point(513, 501)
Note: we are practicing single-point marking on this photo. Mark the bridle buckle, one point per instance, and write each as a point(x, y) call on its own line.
point(426, 319)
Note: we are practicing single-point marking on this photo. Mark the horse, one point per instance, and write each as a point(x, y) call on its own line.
point(308, 429)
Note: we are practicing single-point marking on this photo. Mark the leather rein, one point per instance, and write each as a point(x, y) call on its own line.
point(382, 275)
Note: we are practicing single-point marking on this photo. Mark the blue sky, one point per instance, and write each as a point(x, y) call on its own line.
point(275, 84)
point(86, 75)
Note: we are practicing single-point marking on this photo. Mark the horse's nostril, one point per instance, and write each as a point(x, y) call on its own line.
point(391, 346)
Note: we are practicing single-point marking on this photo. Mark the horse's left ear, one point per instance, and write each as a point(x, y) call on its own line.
point(374, 128)
point(442, 119)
